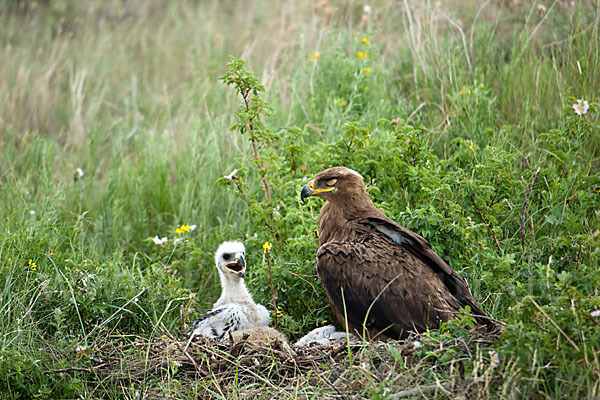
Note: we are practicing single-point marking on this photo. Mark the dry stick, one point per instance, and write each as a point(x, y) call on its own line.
point(224, 357)
point(499, 322)
point(272, 290)
point(524, 212)
point(115, 313)
point(486, 224)
point(251, 128)
point(553, 323)
point(78, 369)
point(420, 390)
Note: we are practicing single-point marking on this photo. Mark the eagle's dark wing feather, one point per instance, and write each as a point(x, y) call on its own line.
point(421, 248)
point(384, 285)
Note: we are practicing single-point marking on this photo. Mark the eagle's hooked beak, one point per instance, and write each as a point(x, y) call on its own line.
point(307, 190)
point(238, 265)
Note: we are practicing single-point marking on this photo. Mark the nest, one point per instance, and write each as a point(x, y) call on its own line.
point(248, 368)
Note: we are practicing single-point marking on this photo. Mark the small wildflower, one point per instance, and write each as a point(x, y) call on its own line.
point(31, 212)
point(361, 54)
point(315, 56)
point(581, 108)
point(494, 358)
point(417, 344)
point(81, 349)
point(267, 246)
point(9, 259)
point(366, 87)
point(232, 175)
point(33, 266)
point(184, 228)
point(541, 9)
point(278, 312)
point(595, 313)
point(367, 9)
point(177, 240)
point(366, 41)
point(470, 147)
point(78, 174)
point(469, 91)
point(335, 101)
point(159, 241)
point(367, 70)
point(395, 120)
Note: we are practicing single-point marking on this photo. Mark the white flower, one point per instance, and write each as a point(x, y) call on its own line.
point(417, 344)
point(595, 313)
point(177, 240)
point(494, 358)
point(193, 227)
point(32, 212)
point(367, 9)
point(78, 174)
point(81, 349)
point(581, 108)
point(159, 241)
point(232, 175)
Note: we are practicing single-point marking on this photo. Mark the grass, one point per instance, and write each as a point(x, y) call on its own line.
point(130, 93)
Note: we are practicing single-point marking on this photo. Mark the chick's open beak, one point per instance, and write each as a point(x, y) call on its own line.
point(238, 265)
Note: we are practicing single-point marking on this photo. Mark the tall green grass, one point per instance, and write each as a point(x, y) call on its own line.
point(129, 92)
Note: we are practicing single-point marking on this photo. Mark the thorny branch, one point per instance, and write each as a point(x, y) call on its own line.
point(272, 289)
point(251, 128)
point(487, 225)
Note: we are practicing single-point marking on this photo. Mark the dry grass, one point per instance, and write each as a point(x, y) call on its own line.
point(252, 370)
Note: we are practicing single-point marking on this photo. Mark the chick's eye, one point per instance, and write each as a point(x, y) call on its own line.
point(226, 257)
point(331, 182)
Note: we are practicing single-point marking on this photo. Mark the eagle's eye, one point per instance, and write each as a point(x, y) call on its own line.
point(226, 256)
point(331, 182)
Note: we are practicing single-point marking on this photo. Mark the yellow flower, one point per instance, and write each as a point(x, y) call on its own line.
point(367, 70)
point(316, 55)
point(183, 229)
point(267, 246)
point(9, 259)
point(361, 54)
point(366, 41)
point(367, 87)
point(470, 147)
point(462, 92)
point(33, 267)
point(335, 101)
point(469, 91)
point(278, 312)
point(30, 261)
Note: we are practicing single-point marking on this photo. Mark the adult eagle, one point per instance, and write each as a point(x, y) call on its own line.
point(376, 272)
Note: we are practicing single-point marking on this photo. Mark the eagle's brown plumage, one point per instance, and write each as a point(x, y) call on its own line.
point(390, 277)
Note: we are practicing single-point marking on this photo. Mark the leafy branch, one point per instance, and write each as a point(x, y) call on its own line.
point(249, 115)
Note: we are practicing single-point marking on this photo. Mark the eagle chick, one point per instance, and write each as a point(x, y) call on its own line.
point(235, 310)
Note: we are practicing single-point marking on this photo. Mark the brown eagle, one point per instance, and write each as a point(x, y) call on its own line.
point(380, 276)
